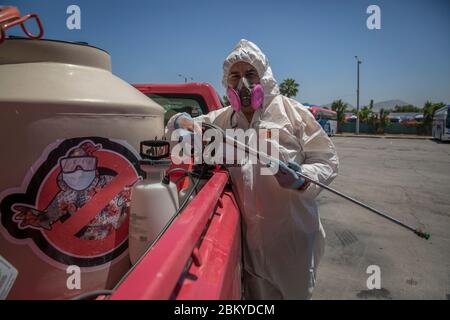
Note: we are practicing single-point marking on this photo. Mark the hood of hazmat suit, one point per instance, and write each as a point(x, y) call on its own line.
point(283, 239)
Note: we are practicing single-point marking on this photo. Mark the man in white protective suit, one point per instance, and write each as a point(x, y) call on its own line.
point(283, 238)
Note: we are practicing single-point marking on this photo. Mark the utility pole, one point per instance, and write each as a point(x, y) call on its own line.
point(358, 62)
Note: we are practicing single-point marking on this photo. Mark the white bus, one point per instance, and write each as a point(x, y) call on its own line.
point(441, 124)
point(326, 118)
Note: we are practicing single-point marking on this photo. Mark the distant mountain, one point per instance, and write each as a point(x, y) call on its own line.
point(328, 105)
point(388, 105)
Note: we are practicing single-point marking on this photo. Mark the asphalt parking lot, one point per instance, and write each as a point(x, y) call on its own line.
point(408, 179)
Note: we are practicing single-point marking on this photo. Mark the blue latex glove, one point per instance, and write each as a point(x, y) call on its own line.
point(287, 176)
point(185, 135)
point(183, 115)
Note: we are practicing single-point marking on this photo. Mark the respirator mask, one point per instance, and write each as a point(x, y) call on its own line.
point(246, 94)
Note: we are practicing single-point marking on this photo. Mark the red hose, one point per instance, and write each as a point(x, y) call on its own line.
point(10, 17)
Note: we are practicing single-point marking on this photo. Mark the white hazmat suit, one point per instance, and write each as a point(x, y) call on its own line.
point(283, 239)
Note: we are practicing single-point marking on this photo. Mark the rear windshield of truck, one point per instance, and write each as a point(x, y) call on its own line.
point(195, 105)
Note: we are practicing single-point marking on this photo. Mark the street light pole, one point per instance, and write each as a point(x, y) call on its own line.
point(358, 62)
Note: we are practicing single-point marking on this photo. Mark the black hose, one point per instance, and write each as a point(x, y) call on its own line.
point(166, 178)
point(187, 172)
point(93, 294)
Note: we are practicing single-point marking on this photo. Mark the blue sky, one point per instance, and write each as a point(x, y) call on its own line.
point(311, 41)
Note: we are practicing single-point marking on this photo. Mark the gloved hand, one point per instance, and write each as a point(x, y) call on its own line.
point(190, 135)
point(185, 121)
point(287, 176)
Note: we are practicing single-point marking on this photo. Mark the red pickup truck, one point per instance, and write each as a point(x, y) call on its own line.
point(200, 254)
point(73, 132)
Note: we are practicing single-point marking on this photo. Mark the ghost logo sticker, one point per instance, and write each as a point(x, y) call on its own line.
point(75, 206)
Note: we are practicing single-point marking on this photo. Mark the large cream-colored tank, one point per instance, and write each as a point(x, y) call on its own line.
point(69, 135)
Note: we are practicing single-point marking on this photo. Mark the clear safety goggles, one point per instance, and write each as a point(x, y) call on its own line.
point(72, 164)
point(251, 76)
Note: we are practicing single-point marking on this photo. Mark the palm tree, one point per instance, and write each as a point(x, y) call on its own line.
point(365, 114)
point(340, 108)
point(429, 109)
point(225, 101)
point(428, 113)
point(380, 121)
point(289, 88)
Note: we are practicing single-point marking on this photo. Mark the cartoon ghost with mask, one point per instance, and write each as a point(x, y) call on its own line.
point(79, 181)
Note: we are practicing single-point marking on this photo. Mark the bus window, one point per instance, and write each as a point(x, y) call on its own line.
point(329, 116)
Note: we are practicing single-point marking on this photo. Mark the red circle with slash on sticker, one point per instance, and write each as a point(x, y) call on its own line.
point(63, 234)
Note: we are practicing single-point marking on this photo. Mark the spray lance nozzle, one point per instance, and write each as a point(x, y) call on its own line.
point(422, 234)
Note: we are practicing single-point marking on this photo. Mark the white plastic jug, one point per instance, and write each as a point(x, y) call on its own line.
point(153, 204)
